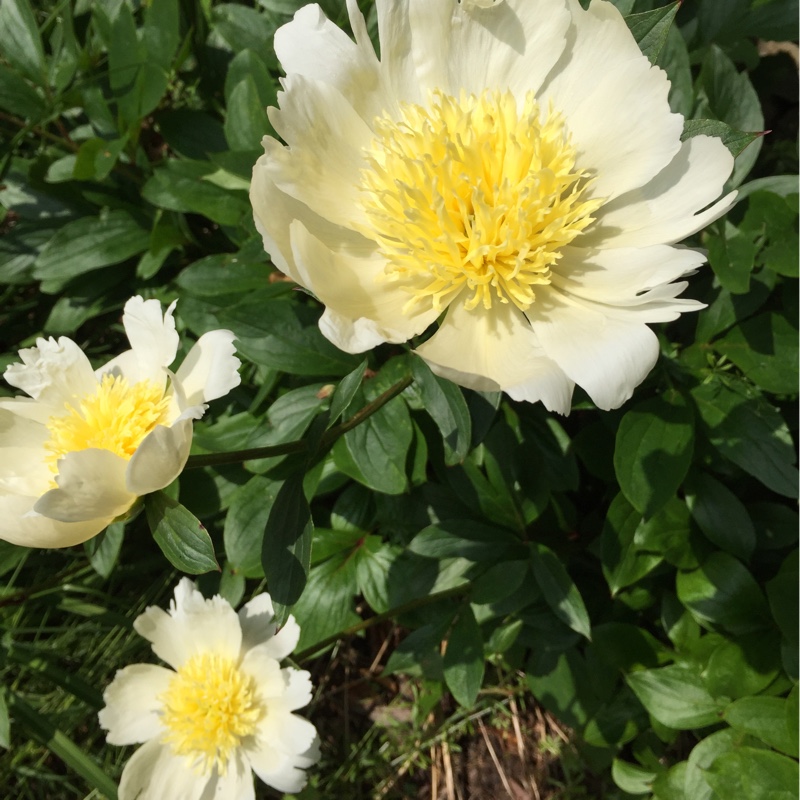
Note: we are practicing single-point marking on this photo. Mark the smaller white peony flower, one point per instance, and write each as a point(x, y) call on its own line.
point(224, 709)
point(85, 444)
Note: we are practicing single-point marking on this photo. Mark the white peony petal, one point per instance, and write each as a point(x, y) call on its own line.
point(160, 458)
point(284, 641)
point(491, 349)
point(210, 370)
point(349, 277)
point(54, 372)
point(152, 335)
point(257, 620)
point(28, 408)
point(326, 137)
point(23, 471)
point(153, 773)
point(273, 765)
point(267, 673)
point(672, 206)
point(91, 485)
point(132, 711)
point(607, 357)
point(21, 526)
point(192, 626)
point(235, 784)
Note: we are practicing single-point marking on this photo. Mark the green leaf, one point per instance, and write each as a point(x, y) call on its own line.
point(18, 97)
point(379, 445)
point(290, 341)
point(245, 121)
point(650, 28)
point(344, 393)
point(668, 532)
point(96, 158)
point(750, 432)
point(181, 536)
point(454, 538)
point(626, 647)
point(5, 722)
point(743, 666)
point(286, 549)
point(463, 658)
point(735, 140)
point(653, 451)
point(20, 42)
point(732, 256)
point(248, 64)
point(702, 756)
point(445, 403)
point(675, 696)
point(245, 29)
point(246, 518)
point(103, 550)
point(161, 31)
point(623, 564)
point(632, 778)
point(722, 593)
point(782, 593)
point(765, 349)
point(765, 718)
point(754, 774)
point(90, 243)
point(721, 516)
point(560, 593)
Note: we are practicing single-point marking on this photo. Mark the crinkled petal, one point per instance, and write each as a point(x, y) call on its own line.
point(20, 525)
point(607, 357)
point(674, 204)
point(348, 277)
point(91, 485)
point(56, 373)
point(153, 773)
point(193, 625)
point(326, 139)
point(131, 714)
point(152, 335)
point(495, 349)
point(160, 458)
point(210, 369)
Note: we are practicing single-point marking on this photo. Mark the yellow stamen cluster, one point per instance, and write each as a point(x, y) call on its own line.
point(474, 195)
point(116, 417)
point(209, 707)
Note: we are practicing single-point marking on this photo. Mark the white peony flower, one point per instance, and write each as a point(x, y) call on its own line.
point(224, 709)
point(85, 444)
point(509, 172)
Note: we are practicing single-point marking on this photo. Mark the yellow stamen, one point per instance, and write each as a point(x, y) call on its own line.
point(472, 194)
point(209, 707)
point(116, 417)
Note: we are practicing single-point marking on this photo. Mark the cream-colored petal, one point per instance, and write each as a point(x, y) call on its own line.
point(151, 332)
point(236, 784)
point(606, 356)
point(348, 277)
point(160, 458)
point(314, 47)
point(193, 625)
point(257, 620)
point(132, 704)
point(495, 349)
point(153, 773)
point(23, 470)
point(21, 526)
point(54, 372)
point(513, 44)
point(673, 205)
point(210, 370)
point(325, 138)
point(284, 641)
point(270, 760)
point(91, 485)
point(28, 408)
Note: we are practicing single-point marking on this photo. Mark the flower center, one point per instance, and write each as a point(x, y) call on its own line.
point(116, 417)
point(209, 707)
point(474, 195)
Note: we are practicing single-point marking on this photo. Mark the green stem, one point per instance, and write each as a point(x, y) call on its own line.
point(411, 605)
point(301, 445)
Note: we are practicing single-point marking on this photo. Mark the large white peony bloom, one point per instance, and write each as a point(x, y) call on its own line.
point(85, 444)
point(510, 171)
point(224, 709)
